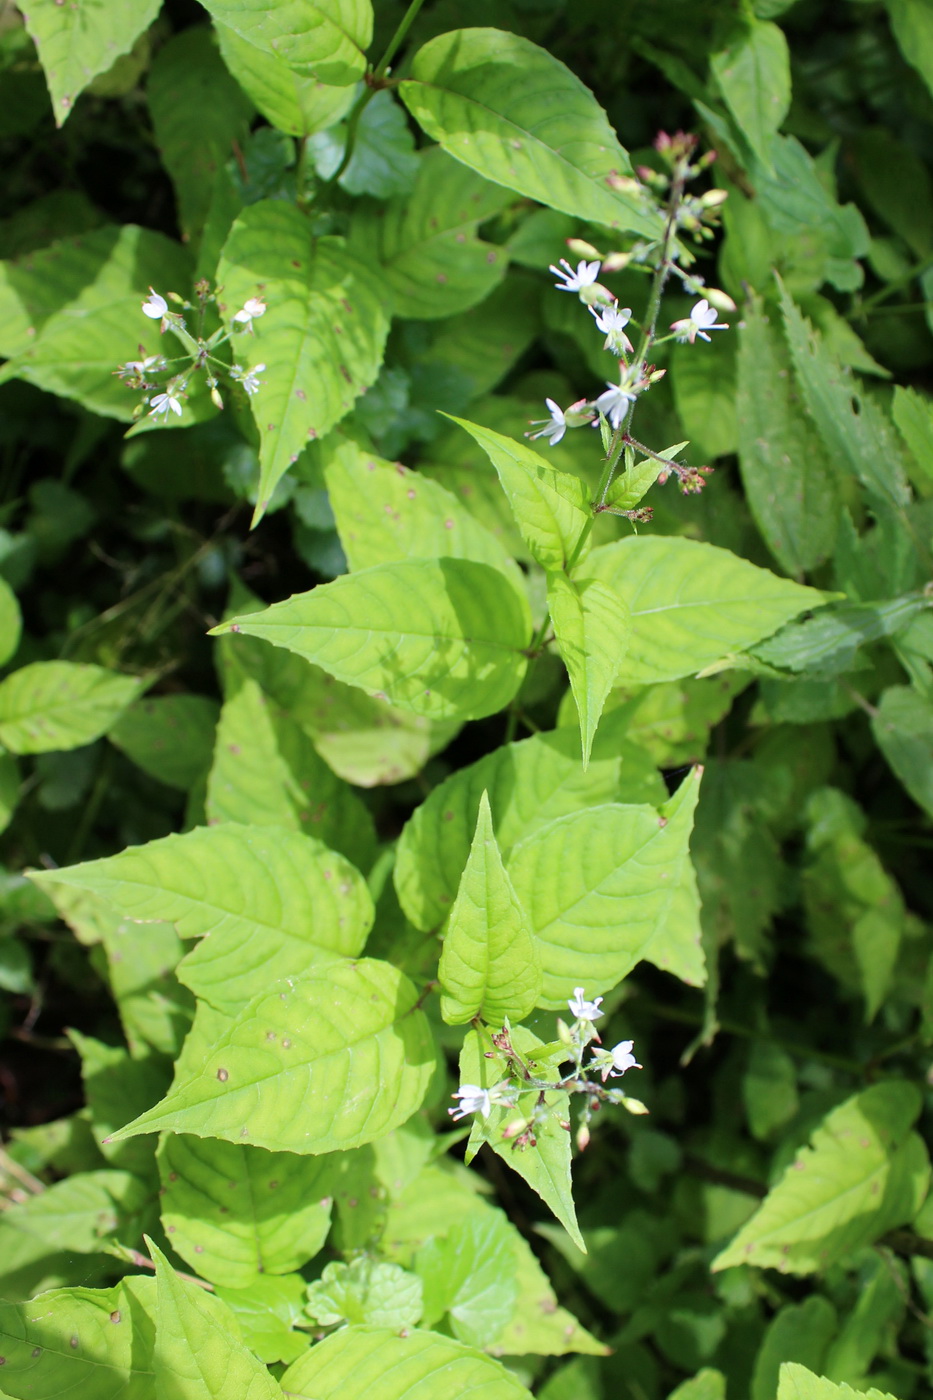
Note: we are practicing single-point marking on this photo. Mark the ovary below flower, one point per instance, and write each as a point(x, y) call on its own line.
point(701, 319)
point(612, 322)
point(613, 1063)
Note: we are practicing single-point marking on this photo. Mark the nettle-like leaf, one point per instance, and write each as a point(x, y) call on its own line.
point(863, 1173)
point(598, 885)
point(903, 728)
point(272, 900)
point(692, 603)
point(592, 626)
point(489, 965)
point(433, 262)
point(797, 1383)
point(170, 737)
point(235, 1212)
point(326, 1062)
point(753, 75)
point(444, 638)
point(320, 340)
point(322, 39)
point(11, 622)
point(518, 116)
point(78, 41)
point(467, 1276)
point(50, 705)
point(198, 1349)
point(365, 1290)
point(550, 507)
point(296, 105)
point(375, 1363)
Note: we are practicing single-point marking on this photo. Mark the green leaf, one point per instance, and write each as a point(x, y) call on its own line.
point(691, 603)
point(431, 258)
point(550, 507)
point(51, 705)
point(827, 644)
point(365, 1290)
point(799, 1332)
point(270, 899)
point(913, 414)
point(753, 75)
point(769, 1089)
point(385, 512)
point(198, 1352)
point(879, 1309)
point(11, 622)
point(115, 1085)
point(592, 627)
point(467, 1276)
point(321, 339)
point(864, 1173)
point(518, 116)
point(797, 1383)
point(78, 41)
point(110, 1358)
point(705, 1385)
point(383, 162)
point(597, 886)
point(234, 1212)
point(912, 24)
point(903, 729)
point(295, 105)
point(481, 345)
point(170, 737)
point(329, 1061)
point(788, 479)
point(322, 39)
point(672, 720)
point(83, 1213)
point(443, 638)
point(9, 789)
point(266, 1311)
point(488, 966)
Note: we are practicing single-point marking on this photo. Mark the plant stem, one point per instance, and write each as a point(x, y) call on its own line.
point(398, 38)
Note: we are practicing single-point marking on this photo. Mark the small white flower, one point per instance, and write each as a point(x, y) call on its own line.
point(249, 378)
point(614, 402)
point(585, 275)
point(252, 309)
point(163, 404)
point(156, 307)
point(701, 319)
point(473, 1099)
point(585, 1010)
point(612, 322)
point(140, 368)
point(552, 428)
point(613, 1063)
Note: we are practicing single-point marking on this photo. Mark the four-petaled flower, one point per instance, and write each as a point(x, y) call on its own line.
point(473, 1099)
point(585, 275)
point(701, 319)
point(164, 404)
point(248, 313)
point(612, 322)
point(552, 428)
point(249, 378)
point(614, 402)
point(585, 1010)
point(156, 307)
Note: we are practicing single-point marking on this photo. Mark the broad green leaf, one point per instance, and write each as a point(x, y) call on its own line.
point(108, 1353)
point(903, 728)
point(199, 115)
point(323, 39)
point(863, 1173)
point(704, 395)
point(529, 784)
point(267, 772)
point(707, 1384)
point(78, 41)
point(170, 737)
point(266, 1311)
point(330, 1061)
point(443, 638)
point(551, 507)
point(9, 788)
point(913, 414)
point(11, 622)
point(671, 720)
point(480, 346)
point(769, 1089)
point(365, 1290)
point(597, 886)
point(912, 24)
point(855, 431)
point(691, 603)
point(797, 1383)
point(383, 161)
point(432, 260)
point(880, 1307)
point(467, 1276)
point(488, 966)
point(50, 705)
point(69, 314)
point(116, 1086)
point(788, 479)
point(270, 899)
point(295, 105)
point(385, 512)
point(518, 116)
point(320, 340)
point(83, 1213)
point(546, 1165)
point(198, 1352)
point(592, 626)
point(753, 75)
point(827, 644)
point(799, 1332)
point(235, 1212)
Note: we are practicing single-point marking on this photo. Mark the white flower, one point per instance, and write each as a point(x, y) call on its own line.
point(585, 275)
point(552, 428)
point(164, 404)
point(701, 319)
point(614, 402)
point(612, 322)
point(253, 308)
point(248, 377)
point(473, 1099)
point(132, 368)
point(156, 307)
point(613, 1063)
point(585, 1010)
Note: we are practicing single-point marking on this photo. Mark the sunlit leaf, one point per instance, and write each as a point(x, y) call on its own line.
point(51, 705)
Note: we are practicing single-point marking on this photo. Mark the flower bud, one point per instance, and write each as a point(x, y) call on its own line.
point(581, 249)
point(634, 1105)
point(615, 262)
point(712, 199)
point(583, 1137)
point(596, 295)
point(216, 400)
point(720, 300)
point(624, 184)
